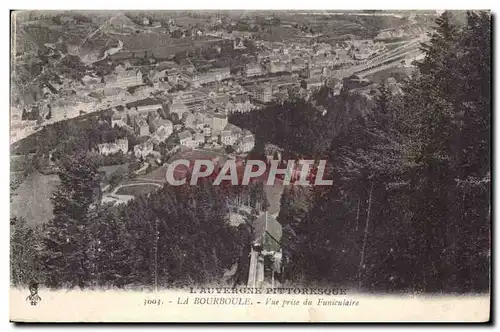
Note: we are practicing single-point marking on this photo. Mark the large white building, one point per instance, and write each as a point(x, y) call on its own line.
point(124, 79)
point(112, 148)
point(219, 121)
point(246, 142)
point(214, 75)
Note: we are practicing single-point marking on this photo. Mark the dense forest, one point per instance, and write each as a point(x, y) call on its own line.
point(299, 127)
point(174, 237)
point(409, 210)
point(410, 206)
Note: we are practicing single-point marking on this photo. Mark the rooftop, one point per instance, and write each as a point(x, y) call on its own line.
point(144, 102)
point(184, 134)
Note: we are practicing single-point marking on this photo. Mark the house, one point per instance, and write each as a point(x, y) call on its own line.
point(272, 152)
point(186, 139)
point(112, 148)
point(119, 120)
point(246, 142)
point(227, 138)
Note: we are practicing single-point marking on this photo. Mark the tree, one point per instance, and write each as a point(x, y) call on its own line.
point(68, 241)
point(409, 209)
point(24, 264)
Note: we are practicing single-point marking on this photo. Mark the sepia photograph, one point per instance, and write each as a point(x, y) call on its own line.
point(250, 165)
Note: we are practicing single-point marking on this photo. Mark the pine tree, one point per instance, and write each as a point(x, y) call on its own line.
point(68, 245)
point(24, 264)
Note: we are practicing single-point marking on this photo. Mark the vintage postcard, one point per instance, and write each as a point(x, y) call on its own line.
point(250, 166)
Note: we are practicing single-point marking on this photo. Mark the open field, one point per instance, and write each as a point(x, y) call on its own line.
point(32, 198)
point(136, 189)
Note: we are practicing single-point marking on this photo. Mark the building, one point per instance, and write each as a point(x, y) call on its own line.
point(314, 72)
point(124, 79)
point(264, 93)
point(166, 127)
point(227, 138)
point(163, 132)
point(194, 99)
point(246, 142)
point(146, 105)
point(153, 119)
point(119, 120)
point(253, 69)
point(198, 140)
point(188, 120)
point(167, 124)
point(298, 64)
point(214, 75)
point(91, 82)
point(314, 83)
point(178, 107)
point(276, 67)
point(186, 139)
point(244, 107)
point(141, 126)
point(215, 136)
point(207, 131)
point(238, 44)
point(112, 148)
point(219, 121)
point(143, 150)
